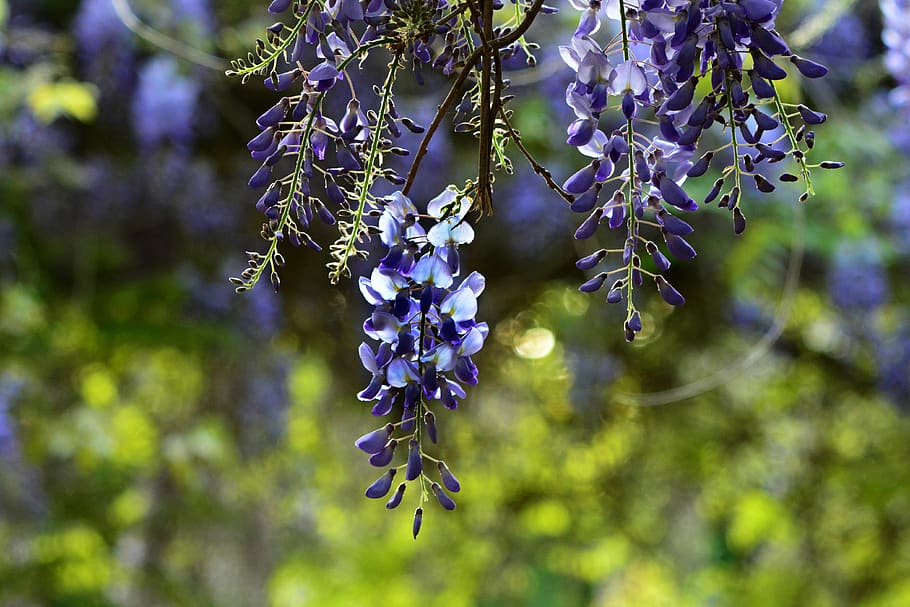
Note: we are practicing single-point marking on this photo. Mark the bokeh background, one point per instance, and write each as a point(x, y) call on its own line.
point(164, 441)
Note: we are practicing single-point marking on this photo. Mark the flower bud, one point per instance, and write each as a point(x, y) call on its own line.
point(382, 485)
point(418, 520)
point(395, 500)
point(373, 442)
point(415, 461)
point(442, 497)
point(448, 479)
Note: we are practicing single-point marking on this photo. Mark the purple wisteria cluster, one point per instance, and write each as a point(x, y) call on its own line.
point(334, 129)
point(676, 69)
point(425, 326)
point(337, 152)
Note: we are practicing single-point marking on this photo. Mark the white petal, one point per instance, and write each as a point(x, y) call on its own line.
point(368, 292)
point(612, 8)
point(386, 326)
point(390, 229)
point(450, 231)
point(463, 233)
point(627, 76)
point(439, 235)
point(367, 358)
point(595, 147)
point(387, 284)
point(570, 56)
point(461, 305)
point(471, 344)
point(399, 206)
point(579, 104)
point(594, 68)
point(443, 355)
point(484, 329)
point(432, 269)
point(445, 199)
point(400, 372)
point(474, 281)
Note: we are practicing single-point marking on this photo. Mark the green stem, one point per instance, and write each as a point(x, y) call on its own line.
point(630, 139)
point(341, 264)
point(268, 259)
point(419, 413)
point(277, 51)
point(794, 144)
point(737, 173)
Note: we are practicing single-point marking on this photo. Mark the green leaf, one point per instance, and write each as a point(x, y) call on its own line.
point(53, 100)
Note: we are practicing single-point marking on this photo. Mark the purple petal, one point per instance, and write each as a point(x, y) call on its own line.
point(415, 461)
point(382, 485)
point(373, 442)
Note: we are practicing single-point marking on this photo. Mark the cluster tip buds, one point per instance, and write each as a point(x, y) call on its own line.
point(429, 419)
point(448, 479)
point(442, 497)
point(668, 293)
point(395, 500)
point(415, 461)
point(375, 441)
point(418, 521)
point(382, 485)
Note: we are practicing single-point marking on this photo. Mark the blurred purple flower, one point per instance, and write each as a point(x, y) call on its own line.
point(266, 400)
point(857, 281)
point(207, 298)
point(9, 442)
point(900, 218)
point(107, 187)
point(165, 104)
point(592, 373)
point(262, 309)
point(105, 48)
point(748, 315)
point(844, 45)
point(98, 28)
point(25, 140)
point(198, 13)
point(201, 207)
point(532, 214)
point(893, 363)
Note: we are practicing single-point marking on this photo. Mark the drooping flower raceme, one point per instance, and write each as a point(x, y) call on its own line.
point(635, 179)
point(165, 104)
point(424, 331)
point(423, 325)
point(678, 68)
point(305, 61)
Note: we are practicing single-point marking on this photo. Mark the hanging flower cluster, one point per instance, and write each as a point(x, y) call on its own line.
point(427, 332)
point(334, 38)
point(678, 69)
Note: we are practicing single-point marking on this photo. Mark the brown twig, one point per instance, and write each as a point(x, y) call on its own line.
point(486, 52)
point(538, 168)
point(437, 119)
point(484, 198)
